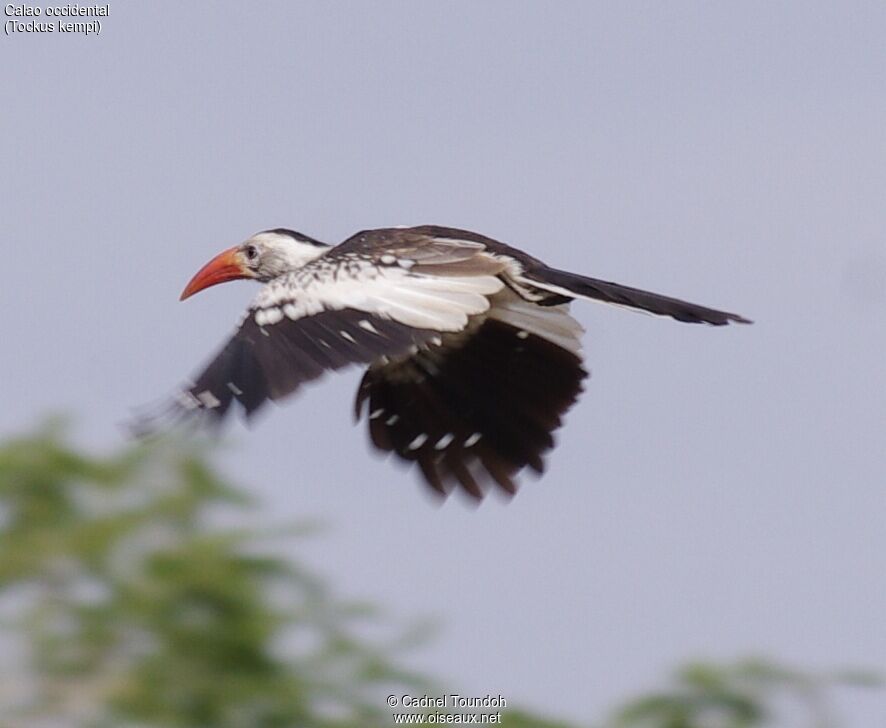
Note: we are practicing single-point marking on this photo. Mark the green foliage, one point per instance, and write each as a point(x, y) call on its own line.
point(137, 610)
point(130, 605)
point(747, 694)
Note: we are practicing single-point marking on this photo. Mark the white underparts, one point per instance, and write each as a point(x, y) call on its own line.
point(439, 302)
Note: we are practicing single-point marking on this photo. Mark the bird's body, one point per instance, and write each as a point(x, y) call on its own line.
point(472, 355)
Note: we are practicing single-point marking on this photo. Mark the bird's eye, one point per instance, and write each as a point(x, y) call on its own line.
point(251, 253)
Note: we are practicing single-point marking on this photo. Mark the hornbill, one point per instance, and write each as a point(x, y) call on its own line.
point(473, 357)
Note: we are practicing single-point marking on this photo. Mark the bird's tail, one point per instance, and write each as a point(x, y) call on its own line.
point(573, 285)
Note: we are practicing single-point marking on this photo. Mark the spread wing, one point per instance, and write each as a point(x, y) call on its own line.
point(269, 361)
point(477, 404)
point(354, 305)
point(483, 404)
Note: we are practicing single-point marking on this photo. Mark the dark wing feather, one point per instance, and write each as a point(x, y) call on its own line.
point(269, 362)
point(473, 413)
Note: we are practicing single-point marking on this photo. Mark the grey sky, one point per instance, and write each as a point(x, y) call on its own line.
point(715, 493)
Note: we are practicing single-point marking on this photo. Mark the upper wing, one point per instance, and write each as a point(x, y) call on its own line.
point(354, 305)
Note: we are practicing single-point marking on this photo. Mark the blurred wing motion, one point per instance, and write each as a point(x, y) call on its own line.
point(473, 357)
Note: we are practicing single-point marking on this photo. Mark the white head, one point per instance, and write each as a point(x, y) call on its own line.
point(262, 257)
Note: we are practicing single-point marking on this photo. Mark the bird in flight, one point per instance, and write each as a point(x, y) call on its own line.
point(472, 355)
